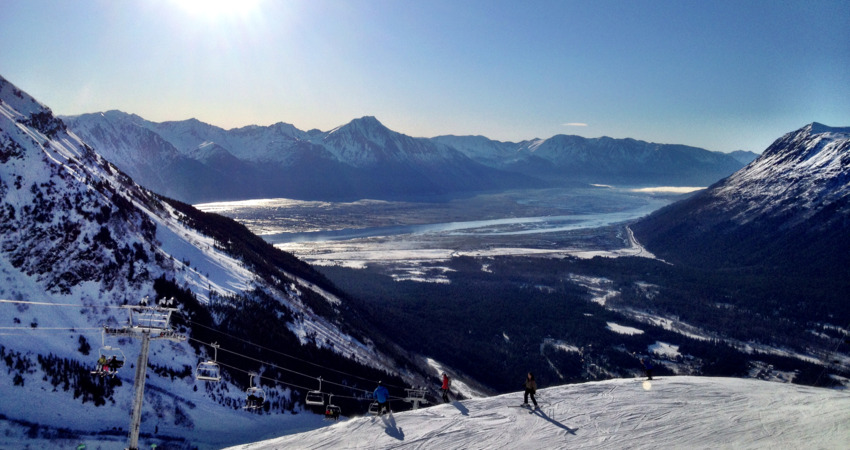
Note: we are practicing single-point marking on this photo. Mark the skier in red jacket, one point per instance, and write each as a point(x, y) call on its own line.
point(445, 388)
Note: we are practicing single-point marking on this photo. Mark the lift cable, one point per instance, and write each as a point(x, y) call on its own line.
point(201, 342)
point(288, 356)
point(284, 369)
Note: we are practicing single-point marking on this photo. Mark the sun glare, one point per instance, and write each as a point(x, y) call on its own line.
point(218, 8)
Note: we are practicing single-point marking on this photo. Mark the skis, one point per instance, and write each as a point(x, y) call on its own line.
point(526, 406)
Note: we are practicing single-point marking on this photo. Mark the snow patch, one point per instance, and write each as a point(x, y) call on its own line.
point(621, 329)
point(664, 349)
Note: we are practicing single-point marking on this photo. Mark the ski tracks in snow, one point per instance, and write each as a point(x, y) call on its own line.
point(676, 412)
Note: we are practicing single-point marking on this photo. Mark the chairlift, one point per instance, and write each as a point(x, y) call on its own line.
point(415, 394)
point(315, 398)
point(374, 408)
point(332, 411)
point(109, 359)
point(209, 370)
point(255, 395)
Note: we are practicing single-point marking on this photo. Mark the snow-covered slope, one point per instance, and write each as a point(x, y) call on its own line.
point(790, 207)
point(797, 177)
point(674, 412)
point(79, 239)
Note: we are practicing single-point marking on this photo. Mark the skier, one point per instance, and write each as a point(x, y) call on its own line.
point(647, 367)
point(382, 396)
point(530, 388)
point(445, 388)
point(101, 365)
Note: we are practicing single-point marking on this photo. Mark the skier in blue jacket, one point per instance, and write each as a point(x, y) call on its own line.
point(382, 396)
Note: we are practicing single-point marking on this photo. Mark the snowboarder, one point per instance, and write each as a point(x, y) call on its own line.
point(445, 387)
point(101, 365)
point(647, 367)
point(382, 396)
point(530, 388)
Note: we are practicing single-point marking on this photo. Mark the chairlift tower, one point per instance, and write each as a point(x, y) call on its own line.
point(146, 323)
point(416, 396)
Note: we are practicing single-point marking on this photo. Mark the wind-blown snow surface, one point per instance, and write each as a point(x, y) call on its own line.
point(673, 412)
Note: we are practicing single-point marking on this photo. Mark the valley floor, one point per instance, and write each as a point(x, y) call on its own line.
point(671, 412)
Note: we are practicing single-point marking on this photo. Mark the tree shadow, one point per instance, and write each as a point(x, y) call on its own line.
point(392, 429)
point(540, 413)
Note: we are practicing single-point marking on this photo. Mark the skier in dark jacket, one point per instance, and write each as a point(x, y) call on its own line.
point(530, 389)
point(382, 396)
point(647, 367)
point(445, 387)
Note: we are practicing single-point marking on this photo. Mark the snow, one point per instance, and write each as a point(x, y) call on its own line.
point(621, 329)
point(672, 412)
point(664, 349)
point(801, 168)
point(458, 386)
point(559, 345)
point(669, 189)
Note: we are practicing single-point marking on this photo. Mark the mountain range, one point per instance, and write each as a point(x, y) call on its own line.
point(194, 162)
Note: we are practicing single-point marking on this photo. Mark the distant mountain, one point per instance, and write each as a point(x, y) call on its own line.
point(194, 161)
point(602, 160)
point(788, 211)
point(744, 156)
point(79, 239)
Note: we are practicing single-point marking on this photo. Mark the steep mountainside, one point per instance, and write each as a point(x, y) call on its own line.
point(790, 205)
point(786, 214)
point(79, 240)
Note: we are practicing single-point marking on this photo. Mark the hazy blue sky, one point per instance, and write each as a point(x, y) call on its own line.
point(722, 75)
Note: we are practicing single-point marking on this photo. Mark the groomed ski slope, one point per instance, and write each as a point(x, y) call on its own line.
point(674, 412)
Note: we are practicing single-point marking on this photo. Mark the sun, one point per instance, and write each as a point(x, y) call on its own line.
point(214, 9)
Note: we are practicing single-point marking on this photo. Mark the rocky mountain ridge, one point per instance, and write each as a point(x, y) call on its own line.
point(194, 161)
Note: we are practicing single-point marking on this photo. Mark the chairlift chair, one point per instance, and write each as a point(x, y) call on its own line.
point(315, 398)
point(256, 396)
point(109, 359)
point(415, 394)
point(332, 411)
point(374, 408)
point(209, 370)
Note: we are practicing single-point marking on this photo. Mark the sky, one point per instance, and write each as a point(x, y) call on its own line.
point(721, 75)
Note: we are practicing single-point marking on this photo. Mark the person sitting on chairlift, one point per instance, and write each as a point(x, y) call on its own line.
point(332, 413)
point(101, 364)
